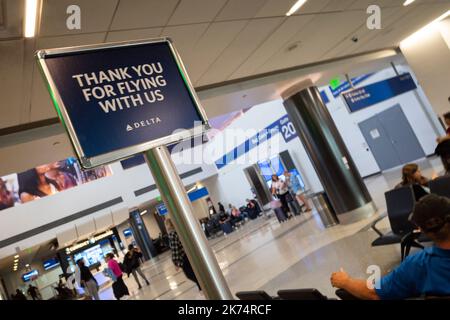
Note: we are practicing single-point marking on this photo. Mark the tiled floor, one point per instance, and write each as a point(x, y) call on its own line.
point(299, 253)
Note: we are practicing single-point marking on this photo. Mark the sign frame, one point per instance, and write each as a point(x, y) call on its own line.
point(120, 154)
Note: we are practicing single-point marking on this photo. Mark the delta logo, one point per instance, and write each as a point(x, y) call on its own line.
point(143, 123)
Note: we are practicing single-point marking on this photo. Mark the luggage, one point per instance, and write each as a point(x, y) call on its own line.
point(281, 216)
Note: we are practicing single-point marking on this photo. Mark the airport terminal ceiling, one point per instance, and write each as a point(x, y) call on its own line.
point(220, 41)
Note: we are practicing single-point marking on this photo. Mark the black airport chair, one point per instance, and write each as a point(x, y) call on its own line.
point(254, 295)
point(301, 294)
point(400, 203)
point(440, 186)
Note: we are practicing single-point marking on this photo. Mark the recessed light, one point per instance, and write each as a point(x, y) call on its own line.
point(16, 260)
point(408, 2)
point(27, 265)
point(295, 7)
point(16, 256)
point(31, 9)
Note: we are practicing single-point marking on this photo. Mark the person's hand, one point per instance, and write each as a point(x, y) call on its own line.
point(339, 279)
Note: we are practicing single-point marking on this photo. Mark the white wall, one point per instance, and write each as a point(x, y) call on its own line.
point(414, 105)
point(428, 54)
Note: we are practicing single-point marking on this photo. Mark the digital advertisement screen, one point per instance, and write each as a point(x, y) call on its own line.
point(50, 263)
point(90, 256)
point(45, 180)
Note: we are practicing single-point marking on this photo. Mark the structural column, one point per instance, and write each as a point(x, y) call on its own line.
point(328, 153)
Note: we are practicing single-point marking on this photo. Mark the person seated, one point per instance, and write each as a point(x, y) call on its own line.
point(426, 273)
point(411, 176)
point(447, 135)
point(225, 223)
point(235, 216)
point(251, 209)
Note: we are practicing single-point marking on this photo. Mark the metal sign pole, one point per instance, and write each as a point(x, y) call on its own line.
point(196, 246)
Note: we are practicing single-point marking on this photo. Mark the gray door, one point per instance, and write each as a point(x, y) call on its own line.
point(402, 135)
point(379, 143)
point(391, 138)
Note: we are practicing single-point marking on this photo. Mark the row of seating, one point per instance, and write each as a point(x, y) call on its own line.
point(287, 294)
point(400, 203)
point(310, 294)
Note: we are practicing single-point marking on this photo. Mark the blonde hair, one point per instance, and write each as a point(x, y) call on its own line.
point(169, 224)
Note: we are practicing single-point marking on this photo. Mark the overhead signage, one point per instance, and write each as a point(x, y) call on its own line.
point(89, 241)
point(344, 86)
point(119, 99)
point(374, 93)
point(162, 209)
point(283, 125)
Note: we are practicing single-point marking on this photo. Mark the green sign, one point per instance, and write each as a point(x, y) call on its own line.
point(335, 82)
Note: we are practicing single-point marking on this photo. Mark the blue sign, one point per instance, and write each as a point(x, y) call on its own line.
point(118, 100)
point(346, 85)
point(51, 263)
point(282, 125)
point(162, 209)
point(197, 194)
point(30, 275)
point(374, 93)
point(324, 97)
point(127, 233)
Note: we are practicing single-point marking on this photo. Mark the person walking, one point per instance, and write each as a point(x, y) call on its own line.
point(114, 271)
point(87, 280)
point(281, 191)
point(33, 292)
point(132, 262)
point(179, 257)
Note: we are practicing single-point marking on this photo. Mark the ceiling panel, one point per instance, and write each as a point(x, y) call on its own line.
point(238, 9)
point(318, 36)
point(133, 34)
point(133, 14)
point(347, 46)
point(11, 82)
point(211, 44)
point(420, 16)
point(69, 41)
point(196, 11)
point(278, 39)
point(11, 12)
point(245, 43)
point(363, 4)
point(280, 7)
point(184, 39)
point(95, 16)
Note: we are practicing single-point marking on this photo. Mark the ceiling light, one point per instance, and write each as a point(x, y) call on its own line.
point(16, 260)
point(295, 7)
point(408, 2)
point(27, 265)
point(16, 256)
point(424, 31)
point(31, 8)
point(143, 212)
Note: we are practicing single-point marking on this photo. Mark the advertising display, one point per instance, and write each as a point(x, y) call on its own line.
point(45, 180)
point(119, 99)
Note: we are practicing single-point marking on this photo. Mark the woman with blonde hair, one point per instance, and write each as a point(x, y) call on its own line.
point(179, 257)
